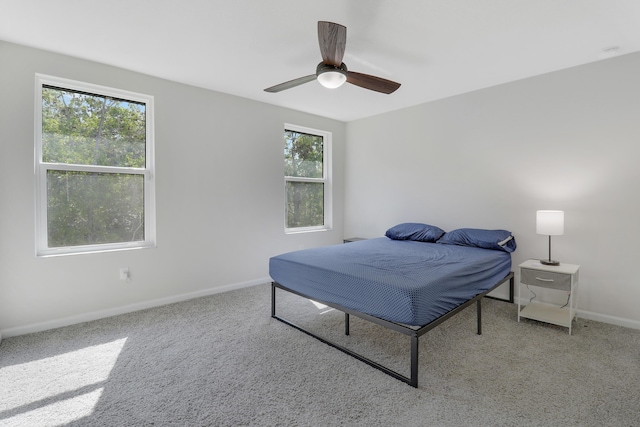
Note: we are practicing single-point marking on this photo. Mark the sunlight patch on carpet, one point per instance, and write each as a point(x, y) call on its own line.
point(320, 306)
point(66, 388)
point(60, 412)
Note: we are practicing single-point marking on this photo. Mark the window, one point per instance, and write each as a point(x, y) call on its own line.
point(95, 181)
point(307, 154)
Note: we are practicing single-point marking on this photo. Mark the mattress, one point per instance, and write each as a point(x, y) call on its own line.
point(401, 281)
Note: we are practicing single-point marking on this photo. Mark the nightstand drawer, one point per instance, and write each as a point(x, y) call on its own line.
point(547, 279)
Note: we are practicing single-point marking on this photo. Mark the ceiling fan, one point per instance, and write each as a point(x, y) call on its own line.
point(332, 72)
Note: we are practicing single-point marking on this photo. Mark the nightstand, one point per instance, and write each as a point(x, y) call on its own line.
point(561, 278)
point(352, 239)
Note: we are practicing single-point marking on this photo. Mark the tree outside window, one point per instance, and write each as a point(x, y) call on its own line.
point(95, 163)
point(306, 178)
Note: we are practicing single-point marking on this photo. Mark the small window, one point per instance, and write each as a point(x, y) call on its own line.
point(94, 165)
point(307, 179)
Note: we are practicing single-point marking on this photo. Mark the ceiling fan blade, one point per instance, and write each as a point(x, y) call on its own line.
point(291, 83)
point(332, 38)
point(372, 82)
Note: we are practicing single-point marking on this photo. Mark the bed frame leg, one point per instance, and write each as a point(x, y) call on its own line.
point(511, 289)
point(479, 304)
point(414, 362)
point(346, 323)
point(273, 300)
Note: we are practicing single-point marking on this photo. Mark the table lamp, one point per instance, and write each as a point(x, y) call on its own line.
point(550, 223)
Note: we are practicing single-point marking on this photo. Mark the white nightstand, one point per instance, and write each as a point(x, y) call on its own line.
point(562, 278)
point(353, 239)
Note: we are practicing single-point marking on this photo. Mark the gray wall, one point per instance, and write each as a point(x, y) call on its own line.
point(220, 199)
point(567, 140)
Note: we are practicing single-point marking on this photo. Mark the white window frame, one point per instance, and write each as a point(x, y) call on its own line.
point(326, 180)
point(41, 168)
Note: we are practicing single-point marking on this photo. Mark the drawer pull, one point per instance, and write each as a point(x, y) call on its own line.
point(542, 279)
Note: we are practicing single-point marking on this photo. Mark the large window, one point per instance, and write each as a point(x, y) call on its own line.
point(307, 179)
point(94, 168)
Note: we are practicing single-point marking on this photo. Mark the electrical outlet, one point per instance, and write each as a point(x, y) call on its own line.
point(124, 273)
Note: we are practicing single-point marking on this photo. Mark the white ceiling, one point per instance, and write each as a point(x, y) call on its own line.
point(435, 48)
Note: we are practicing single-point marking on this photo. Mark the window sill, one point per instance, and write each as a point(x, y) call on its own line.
point(305, 230)
point(50, 253)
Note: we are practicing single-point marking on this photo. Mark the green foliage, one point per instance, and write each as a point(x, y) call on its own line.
point(87, 208)
point(94, 208)
point(85, 129)
point(305, 204)
point(303, 157)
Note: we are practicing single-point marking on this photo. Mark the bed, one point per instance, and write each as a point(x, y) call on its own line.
point(410, 281)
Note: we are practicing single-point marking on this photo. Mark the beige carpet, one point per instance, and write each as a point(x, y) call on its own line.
point(222, 361)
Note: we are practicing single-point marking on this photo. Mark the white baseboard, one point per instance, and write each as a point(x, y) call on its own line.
point(101, 314)
point(613, 320)
point(604, 318)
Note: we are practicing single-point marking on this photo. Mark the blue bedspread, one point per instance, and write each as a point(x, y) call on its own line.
point(405, 282)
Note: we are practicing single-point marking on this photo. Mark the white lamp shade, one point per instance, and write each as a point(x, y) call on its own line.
point(550, 223)
point(332, 79)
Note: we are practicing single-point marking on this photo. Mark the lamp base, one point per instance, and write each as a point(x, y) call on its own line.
point(549, 262)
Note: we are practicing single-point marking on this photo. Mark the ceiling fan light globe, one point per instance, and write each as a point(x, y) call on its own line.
point(332, 79)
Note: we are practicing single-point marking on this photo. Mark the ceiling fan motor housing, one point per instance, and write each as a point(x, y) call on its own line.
point(323, 68)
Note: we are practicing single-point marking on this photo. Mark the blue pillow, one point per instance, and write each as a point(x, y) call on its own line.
point(501, 240)
point(415, 231)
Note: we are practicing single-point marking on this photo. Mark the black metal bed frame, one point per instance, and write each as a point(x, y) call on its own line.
point(413, 332)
